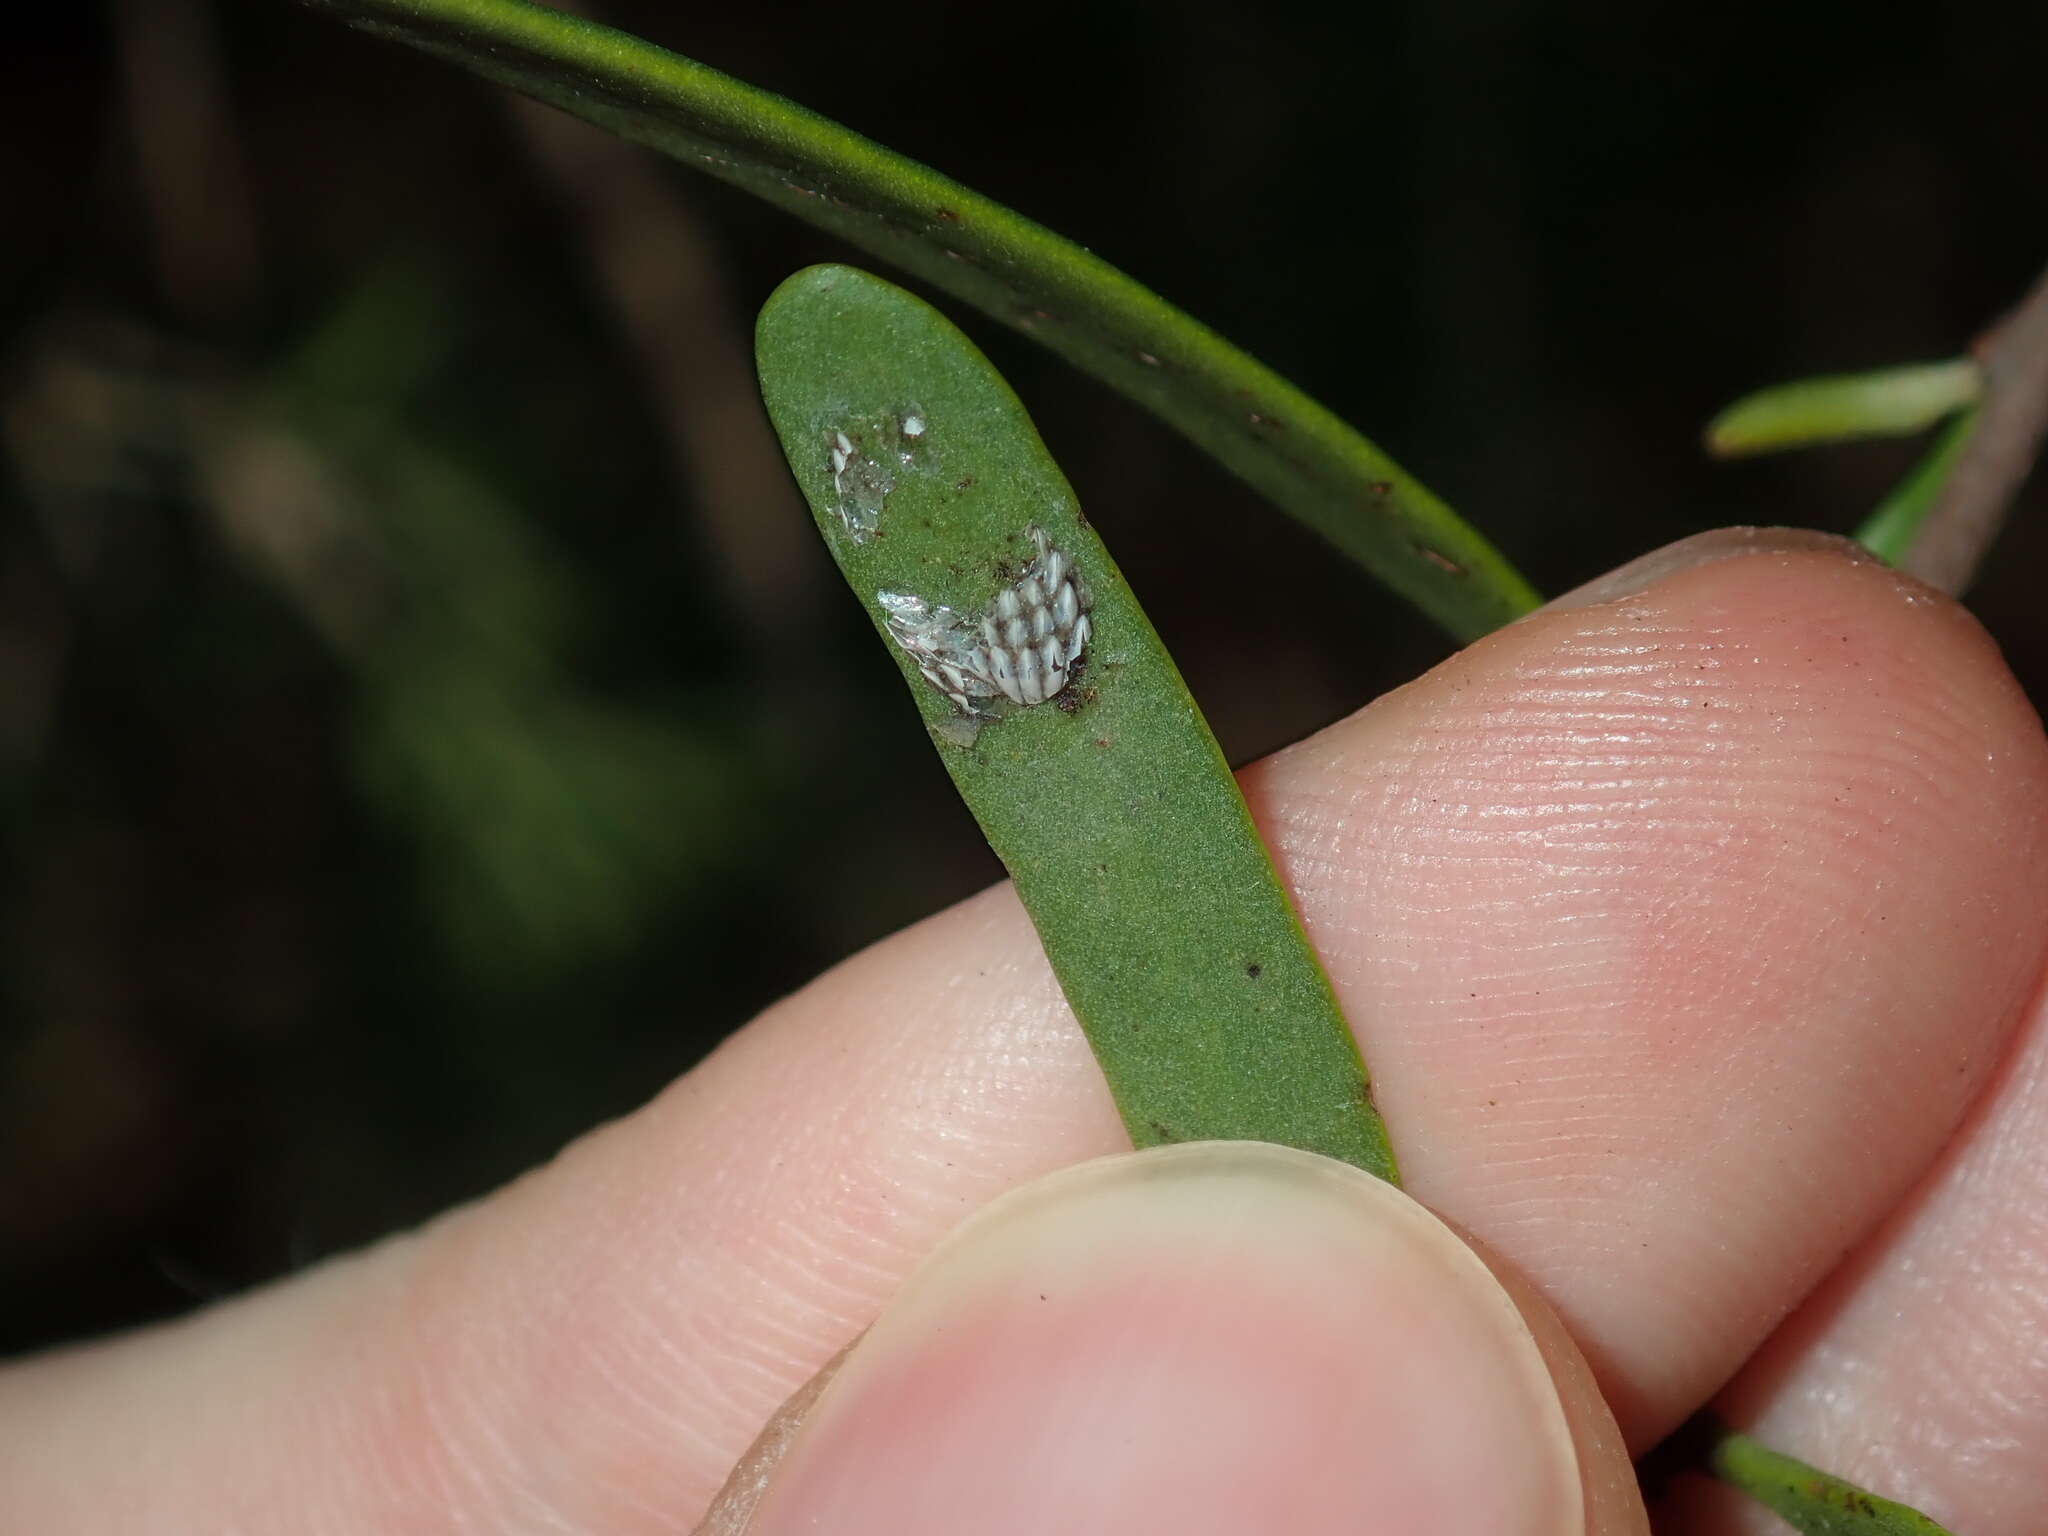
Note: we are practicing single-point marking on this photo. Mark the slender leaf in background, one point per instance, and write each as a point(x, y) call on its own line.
point(1809, 1500)
point(1890, 531)
point(1095, 779)
point(1251, 420)
point(1888, 402)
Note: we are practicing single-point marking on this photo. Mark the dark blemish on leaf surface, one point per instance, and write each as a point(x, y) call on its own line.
point(1075, 693)
point(1441, 561)
point(1255, 970)
point(1381, 488)
point(947, 214)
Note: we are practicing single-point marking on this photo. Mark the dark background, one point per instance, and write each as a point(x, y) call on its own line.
point(426, 724)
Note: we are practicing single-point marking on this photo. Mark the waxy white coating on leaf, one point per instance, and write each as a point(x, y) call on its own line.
point(865, 457)
point(1024, 648)
point(860, 484)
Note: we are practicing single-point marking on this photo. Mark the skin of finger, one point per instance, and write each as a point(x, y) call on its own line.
point(744, 1487)
point(1670, 941)
point(1611, 1501)
point(1238, 1231)
point(1612, 1497)
point(1679, 929)
point(1920, 1371)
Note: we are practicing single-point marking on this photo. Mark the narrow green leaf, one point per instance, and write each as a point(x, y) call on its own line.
point(1889, 402)
point(1813, 1502)
point(1891, 529)
point(1110, 803)
point(1255, 423)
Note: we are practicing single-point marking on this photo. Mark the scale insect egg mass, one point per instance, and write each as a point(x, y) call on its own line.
point(1024, 647)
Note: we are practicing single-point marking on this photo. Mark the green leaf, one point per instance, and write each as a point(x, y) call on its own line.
point(1890, 402)
point(1812, 1502)
point(1891, 530)
point(1111, 804)
point(1250, 419)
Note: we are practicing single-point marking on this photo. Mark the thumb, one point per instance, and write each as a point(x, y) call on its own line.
point(1214, 1337)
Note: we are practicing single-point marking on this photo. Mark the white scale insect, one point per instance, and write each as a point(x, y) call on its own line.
point(1023, 648)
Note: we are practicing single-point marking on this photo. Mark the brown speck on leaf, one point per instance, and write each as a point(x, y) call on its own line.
point(1441, 561)
point(1102, 741)
point(1255, 970)
point(1381, 488)
point(965, 482)
point(947, 214)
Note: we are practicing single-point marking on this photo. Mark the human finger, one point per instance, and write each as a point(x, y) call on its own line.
point(1920, 1370)
point(1211, 1337)
point(1646, 912)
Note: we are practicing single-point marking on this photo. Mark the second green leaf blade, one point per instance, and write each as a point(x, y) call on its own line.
point(1269, 433)
point(1109, 801)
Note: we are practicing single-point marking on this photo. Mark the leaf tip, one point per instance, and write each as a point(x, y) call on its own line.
point(1720, 442)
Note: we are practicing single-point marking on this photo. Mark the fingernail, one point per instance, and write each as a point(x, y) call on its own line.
point(1705, 549)
point(1215, 1337)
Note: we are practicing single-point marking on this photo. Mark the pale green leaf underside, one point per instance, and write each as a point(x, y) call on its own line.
point(1117, 816)
point(1887, 402)
point(1262, 428)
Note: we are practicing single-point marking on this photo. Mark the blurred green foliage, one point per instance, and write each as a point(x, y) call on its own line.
point(552, 819)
